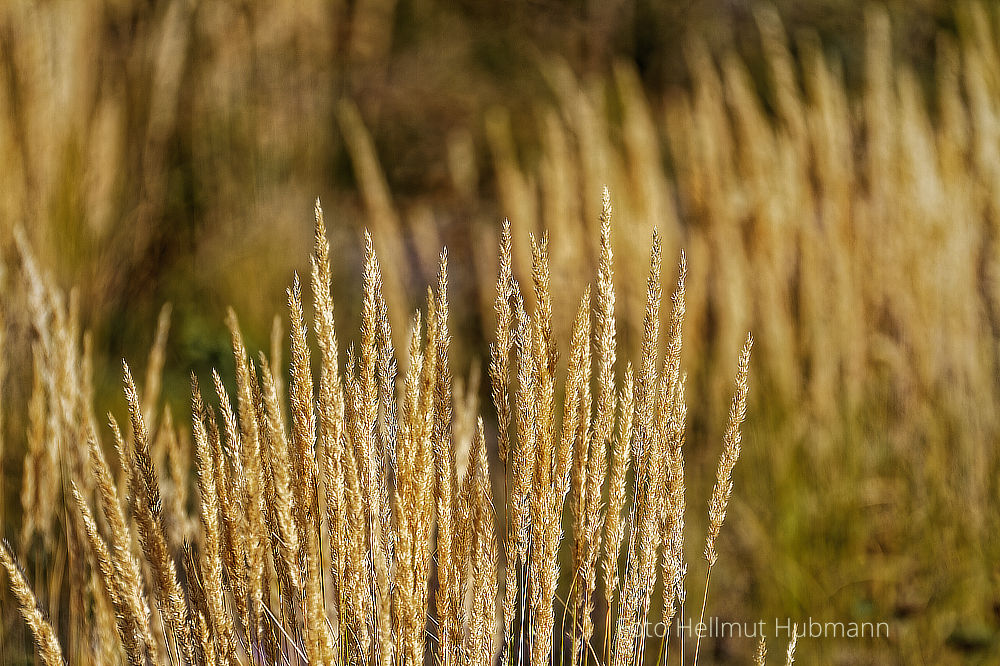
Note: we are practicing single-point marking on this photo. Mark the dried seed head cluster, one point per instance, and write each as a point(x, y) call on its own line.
point(335, 522)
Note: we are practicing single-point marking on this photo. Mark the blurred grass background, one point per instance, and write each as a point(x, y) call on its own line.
point(831, 168)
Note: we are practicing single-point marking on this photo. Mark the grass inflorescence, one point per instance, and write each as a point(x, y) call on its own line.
point(335, 524)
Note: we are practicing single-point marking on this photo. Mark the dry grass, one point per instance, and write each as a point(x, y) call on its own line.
point(843, 209)
point(339, 561)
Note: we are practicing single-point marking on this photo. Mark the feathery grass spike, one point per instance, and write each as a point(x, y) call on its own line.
point(730, 454)
point(45, 636)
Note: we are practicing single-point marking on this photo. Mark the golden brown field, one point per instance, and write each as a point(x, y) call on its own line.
point(455, 481)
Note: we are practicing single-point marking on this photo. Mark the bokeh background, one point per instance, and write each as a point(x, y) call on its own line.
point(831, 168)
